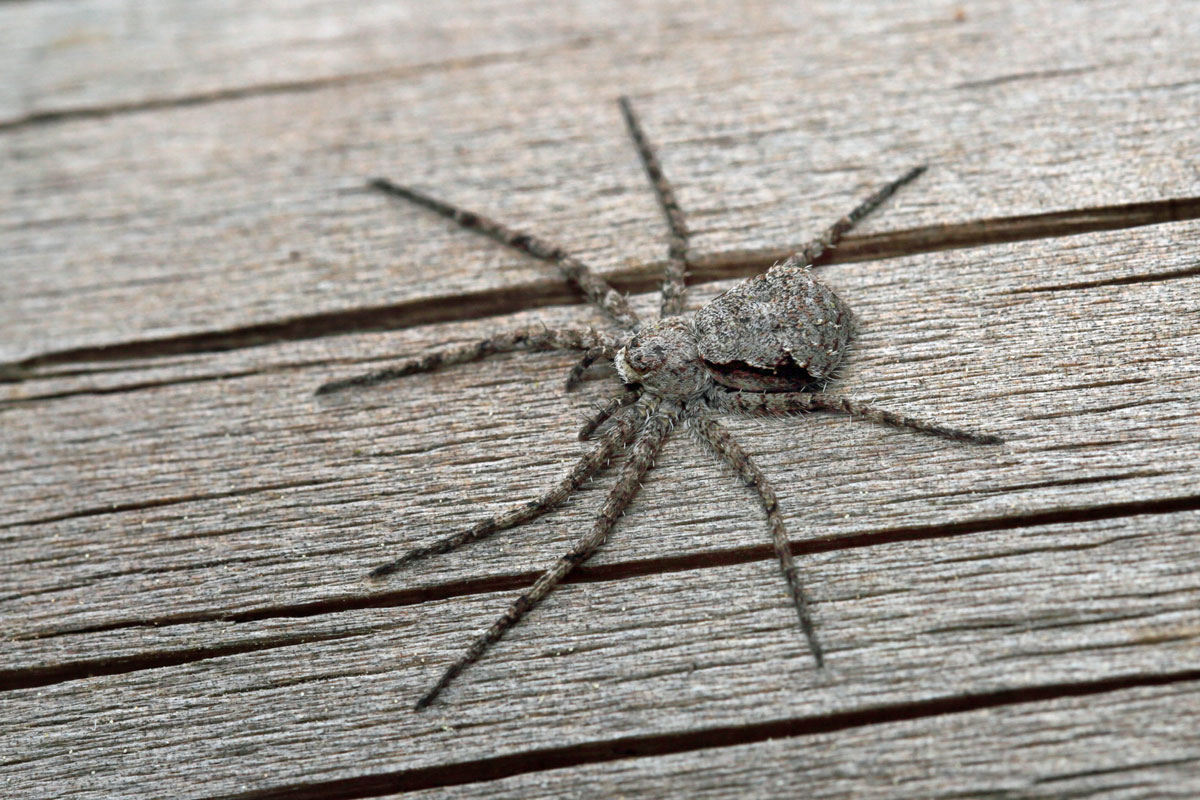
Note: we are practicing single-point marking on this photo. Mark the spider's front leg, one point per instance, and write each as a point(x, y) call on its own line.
point(641, 455)
point(537, 338)
point(596, 288)
point(615, 438)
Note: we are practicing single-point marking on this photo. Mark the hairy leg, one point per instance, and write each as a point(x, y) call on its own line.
point(604, 296)
point(590, 357)
point(752, 476)
point(800, 402)
point(616, 437)
point(641, 456)
point(530, 338)
point(675, 276)
point(626, 397)
point(828, 240)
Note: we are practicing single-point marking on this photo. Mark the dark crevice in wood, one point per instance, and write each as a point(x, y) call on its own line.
point(1079, 412)
point(999, 80)
point(1073, 387)
point(34, 677)
point(1112, 477)
point(1128, 280)
point(598, 752)
point(611, 572)
point(1124, 767)
point(127, 387)
point(551, 291)
point(117, 508)
point(303, 85)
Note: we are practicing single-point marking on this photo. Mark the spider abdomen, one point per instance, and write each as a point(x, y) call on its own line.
point(778, 332)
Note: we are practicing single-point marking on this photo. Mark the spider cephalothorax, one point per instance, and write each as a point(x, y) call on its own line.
point(767, 346)
point(663, 359)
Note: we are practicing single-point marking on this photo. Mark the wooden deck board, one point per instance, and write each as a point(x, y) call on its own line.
point(254, 473)
point(644, 657)
point(1111, 745)
point(165, 214)
point(185, 528)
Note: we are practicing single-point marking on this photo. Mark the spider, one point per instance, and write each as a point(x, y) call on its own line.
point(769, 346)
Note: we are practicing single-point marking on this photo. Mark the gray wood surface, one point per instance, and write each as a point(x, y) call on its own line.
point(185, 528)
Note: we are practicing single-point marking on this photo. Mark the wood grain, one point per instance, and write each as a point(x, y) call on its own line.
point(1114, 744)
point(152, 213)
point(186, 529)
point(255, 473)
point(1075, 604)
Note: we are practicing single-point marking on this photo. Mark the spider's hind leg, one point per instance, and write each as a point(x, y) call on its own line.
point(737, 458)
point(537, 338)
point(808, 255)
point(766, 404)
point(854, 408)
point(626, 397)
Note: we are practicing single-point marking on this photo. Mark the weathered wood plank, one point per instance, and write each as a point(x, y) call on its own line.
point(222, 496)
point(142, 226)
point(194, 529)
point(193, 52)
point(1139, 743)
point(1071, 606)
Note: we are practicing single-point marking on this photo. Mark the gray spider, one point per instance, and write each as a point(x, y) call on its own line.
point(768, 346)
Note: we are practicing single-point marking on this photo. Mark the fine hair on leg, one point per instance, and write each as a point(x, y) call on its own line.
point(641, 456)
point(598, 290)
point(590, 357)
point(808, 255)
point(618, 435)
point(626, 397)
point(536, 337)
point(799, 402)
point(737, 458)
point(674, 282)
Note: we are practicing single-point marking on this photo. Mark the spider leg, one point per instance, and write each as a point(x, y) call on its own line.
point(675, 276)
point(598, 290)
point(799, 402)
point(530, 338)
point(828, 240)
point(622, 431)
point(626, 397)
point(590, 357)
point(642, 453)
point(737, 458)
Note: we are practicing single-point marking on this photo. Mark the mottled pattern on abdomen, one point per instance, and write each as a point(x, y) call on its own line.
point(780, 331)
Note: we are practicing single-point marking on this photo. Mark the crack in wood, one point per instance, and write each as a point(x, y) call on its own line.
point(117, 508)
point(594, 752)
point(1038, 75)
point(42, 676)
point(634, 280)
point(35, 677)
point(302, 85)
point(1128, 280)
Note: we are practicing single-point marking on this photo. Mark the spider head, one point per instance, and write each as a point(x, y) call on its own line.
point(662, 357)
